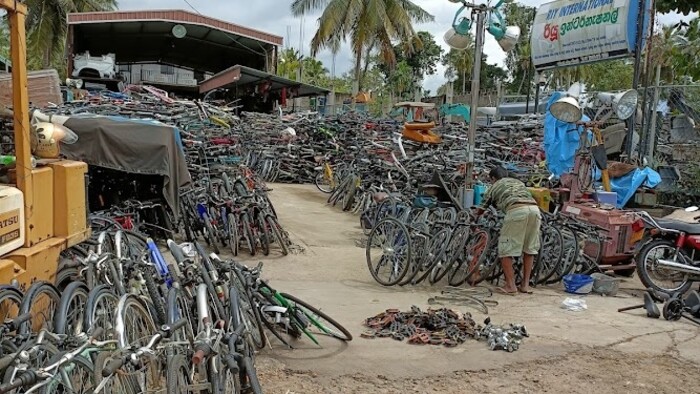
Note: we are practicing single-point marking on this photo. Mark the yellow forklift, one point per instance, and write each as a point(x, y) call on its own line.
point(44, 211)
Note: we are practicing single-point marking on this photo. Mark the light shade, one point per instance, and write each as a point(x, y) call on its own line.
point(624, 103)
point(457, 41)
point(510, 38)
point(567, 110)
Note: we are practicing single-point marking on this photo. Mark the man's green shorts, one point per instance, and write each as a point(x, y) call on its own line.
point(520, 232)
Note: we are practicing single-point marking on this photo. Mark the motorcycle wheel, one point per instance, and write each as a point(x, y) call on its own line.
point(661, 279)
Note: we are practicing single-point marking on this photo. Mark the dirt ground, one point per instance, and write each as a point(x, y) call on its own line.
point(595, 351)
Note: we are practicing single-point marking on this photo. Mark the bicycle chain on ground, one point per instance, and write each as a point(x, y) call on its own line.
point(442, 327)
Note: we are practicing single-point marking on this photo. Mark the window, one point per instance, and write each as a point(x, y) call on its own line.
point(167, 69)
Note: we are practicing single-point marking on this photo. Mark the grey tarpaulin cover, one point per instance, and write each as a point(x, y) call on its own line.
point(135, 146)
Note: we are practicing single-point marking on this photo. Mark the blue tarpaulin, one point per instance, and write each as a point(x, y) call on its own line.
point(626, 185)
point(561, 141)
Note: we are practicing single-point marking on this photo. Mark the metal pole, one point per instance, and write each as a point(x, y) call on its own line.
point(529, 77)
point(476, 75)
point(651, 135)
point(637, 69)
point(537, 93)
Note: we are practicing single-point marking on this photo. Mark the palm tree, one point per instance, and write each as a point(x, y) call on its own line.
point(314, 71)
point(366, 23)
point(47, 26)
point(289, 64)
point(460, 63)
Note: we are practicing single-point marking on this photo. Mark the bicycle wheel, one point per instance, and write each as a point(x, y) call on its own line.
point(571, 251)
point(10, 301)
point(42, 300)
point(311, 318)
point(455, 249)
point(134, 323)
point(250, 313)
point(263, 234)
point(74, 377)
point(551, 254)
point(323, 183)
point(70, 314)
point(476, 256)
point(210, 234)
point(436, 248)
point(233, 236)
point(100, 310)
point(277, 232)
point(389, 250)
point(178, 379)
point(247, 227)
point(178, 306)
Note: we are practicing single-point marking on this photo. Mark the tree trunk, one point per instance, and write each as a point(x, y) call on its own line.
point(356, 82)
point(464, 81)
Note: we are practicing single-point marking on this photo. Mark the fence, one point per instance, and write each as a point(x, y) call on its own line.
point(671, 139)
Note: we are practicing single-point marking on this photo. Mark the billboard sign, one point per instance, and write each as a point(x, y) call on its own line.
point(572, 32)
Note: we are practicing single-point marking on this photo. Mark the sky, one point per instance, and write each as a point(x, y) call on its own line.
point(274, 16)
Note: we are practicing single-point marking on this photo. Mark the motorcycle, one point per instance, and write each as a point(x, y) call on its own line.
point(669, 259)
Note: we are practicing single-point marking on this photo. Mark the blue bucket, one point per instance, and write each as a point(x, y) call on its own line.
point(578, 284)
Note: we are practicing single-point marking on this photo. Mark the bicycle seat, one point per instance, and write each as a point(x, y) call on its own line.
point(689, 228)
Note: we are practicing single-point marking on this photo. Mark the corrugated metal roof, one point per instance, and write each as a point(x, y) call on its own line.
point(177, 16)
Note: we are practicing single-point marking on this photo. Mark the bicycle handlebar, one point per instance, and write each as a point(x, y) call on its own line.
point(165, 331)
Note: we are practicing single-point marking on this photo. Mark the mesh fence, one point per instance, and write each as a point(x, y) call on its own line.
point(671, 132)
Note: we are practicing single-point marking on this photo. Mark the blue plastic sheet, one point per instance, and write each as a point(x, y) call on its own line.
point(561, 141)
point(626, 185)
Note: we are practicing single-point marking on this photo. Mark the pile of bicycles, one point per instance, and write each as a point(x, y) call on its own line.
point(123, 318)
point(408, 245)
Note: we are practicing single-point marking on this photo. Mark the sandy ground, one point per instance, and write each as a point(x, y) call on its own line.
point(595, 351)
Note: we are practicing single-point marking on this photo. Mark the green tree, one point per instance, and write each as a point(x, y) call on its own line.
point(459, 64)
point(289, 64)
point(365, 23)
point(4, 39)
point(421, 61)
point(47, 26)
point(314, 72)
point(682, 6)
point(518, 61)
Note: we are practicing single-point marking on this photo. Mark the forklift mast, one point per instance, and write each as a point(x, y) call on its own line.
point(17, 13)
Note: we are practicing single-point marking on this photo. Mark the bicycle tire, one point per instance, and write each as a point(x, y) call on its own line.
point(155, 296)
point(458, 239)
point(233, 236)
point(74, 292)
point(263, 234)
point(571, 252)
point(397, 270)
point(349, 197)
point(131, 306)
point(246, 225)
point(320, 177)
point(210, 235)
point(477, 253)
point(437, 246)
point(13, 297)
point(342, 333)
point(96, 312)
point(178, 379)
point(46, 314)
point(277, 230)
point(177, 308)
point(250, 312)
point(545, 270)
point(253, 383)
